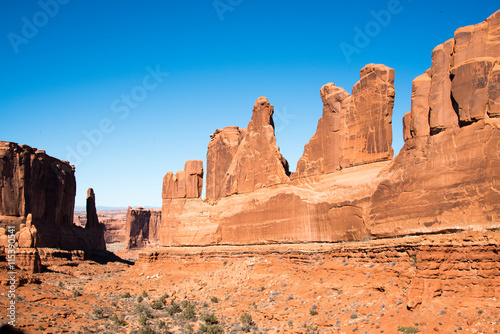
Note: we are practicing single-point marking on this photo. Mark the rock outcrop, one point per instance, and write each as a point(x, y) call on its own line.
point(92, 219)
point(37, 196)
point(142, 227)
point(447, 175)
point(33, 182)
point(187, 183)
point(241, 161)
point(353, 130)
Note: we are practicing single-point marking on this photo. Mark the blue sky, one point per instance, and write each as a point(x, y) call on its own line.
point(128, 90)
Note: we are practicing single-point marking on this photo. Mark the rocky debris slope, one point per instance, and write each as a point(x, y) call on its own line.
point(433, 283)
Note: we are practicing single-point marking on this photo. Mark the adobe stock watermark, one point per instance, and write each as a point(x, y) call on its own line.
point(284, 119)
point(222, 6)
point(363, 36)
point(11, 274)
point(121, 107)
point(31, 26)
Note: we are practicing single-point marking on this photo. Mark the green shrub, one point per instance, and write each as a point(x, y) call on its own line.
point(246, 318)
point(174, 308)
point(408, 330)
point(144, 294)
point(157, 305)
point(313, 312)
point(214, 300)
point(126, 295)
point(140, 299)
point(98, 312)
point(120, 321)
point(189, 312)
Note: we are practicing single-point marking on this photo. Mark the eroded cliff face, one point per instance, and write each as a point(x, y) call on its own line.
point(353, 130)
point(247, 159)
point(37, 196)
point(446, 177)
point(142, 227)
point(33, 182)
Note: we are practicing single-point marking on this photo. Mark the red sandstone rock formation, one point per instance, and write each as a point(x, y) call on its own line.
point(92, 219)
point(240, 161)
point(33, 182)
point(354, 130)
point(447, 174)
point(446, 177)
point(37, 195)
point(142, 227)
point(187, 183)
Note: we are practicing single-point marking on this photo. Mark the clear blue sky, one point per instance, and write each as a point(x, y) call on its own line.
point(70, 71)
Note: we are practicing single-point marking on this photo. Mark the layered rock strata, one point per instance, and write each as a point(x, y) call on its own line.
point(37, 196)
point(142, 227)
point(447, 175)
point(243, 160)
point(354, 129)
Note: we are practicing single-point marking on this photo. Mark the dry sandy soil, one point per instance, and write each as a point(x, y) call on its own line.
point(443, 283)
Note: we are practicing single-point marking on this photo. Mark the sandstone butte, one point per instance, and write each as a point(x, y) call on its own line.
point(37, 196)
point(346, 185)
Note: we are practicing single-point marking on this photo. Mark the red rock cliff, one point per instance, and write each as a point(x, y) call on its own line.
point(354, 130)
point(37, 195)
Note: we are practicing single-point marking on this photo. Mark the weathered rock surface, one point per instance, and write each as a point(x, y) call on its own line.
point(142, 227)
point(33, 182)
point(187, 183)
point(256, 161)
point(353, 130)
point(37, 196)
point(446, 177)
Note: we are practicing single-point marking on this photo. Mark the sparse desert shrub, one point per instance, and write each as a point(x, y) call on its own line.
point(262, 288)
point(246, 318)
point(214, 300)
point(140, 299)
point(144, 294)
point(174, 308)
point(98, 313)
point(313, 312)
point(118, 320)
point(354, 316)
point(157, 305)
point(211, 324)
point(188, 313)
point(146, 329)
point(76, 293)
point(408, 330)
point(247, 322)
point(126, 295)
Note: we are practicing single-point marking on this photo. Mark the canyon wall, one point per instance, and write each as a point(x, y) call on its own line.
point(251, 197)
point(447, 175)
point(142, 227)
point(354, 129)
point(346, 187)
point(37, 196)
